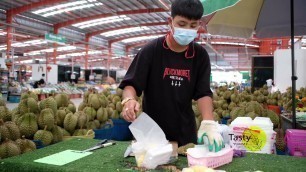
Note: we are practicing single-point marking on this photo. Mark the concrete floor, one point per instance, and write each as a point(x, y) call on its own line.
point(75, 101)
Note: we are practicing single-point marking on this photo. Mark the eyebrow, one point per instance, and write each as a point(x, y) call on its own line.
point(182, 21)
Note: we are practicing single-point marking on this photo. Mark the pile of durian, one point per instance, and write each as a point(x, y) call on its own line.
point(46, 121)
point(101, 107)
point(12, 142)
point(230, 104)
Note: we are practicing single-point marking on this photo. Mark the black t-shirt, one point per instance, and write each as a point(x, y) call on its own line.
point(36, 83)
point(170, 81)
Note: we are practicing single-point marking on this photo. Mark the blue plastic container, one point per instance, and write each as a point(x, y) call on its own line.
point(38, 144)
point(121, 131)
point(104, 133)
point(14, 99)
point(224, 120)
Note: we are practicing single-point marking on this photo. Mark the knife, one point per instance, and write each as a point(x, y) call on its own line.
point(101, 144)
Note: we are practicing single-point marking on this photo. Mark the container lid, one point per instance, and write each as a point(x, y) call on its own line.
point(242, 121)
point(265, 122)
point(296, 132)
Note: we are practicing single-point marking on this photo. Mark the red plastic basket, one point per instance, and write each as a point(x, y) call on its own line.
point(274, 108)
point(296, 141)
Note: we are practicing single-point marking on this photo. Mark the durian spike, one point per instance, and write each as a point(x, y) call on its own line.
point(23, 137)
point(1, 121)
point(45, 127)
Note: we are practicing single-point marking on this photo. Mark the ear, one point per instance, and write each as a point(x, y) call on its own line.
point(170, 21)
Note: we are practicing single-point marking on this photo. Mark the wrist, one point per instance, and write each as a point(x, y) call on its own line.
point(125, 100)
point(208, 122)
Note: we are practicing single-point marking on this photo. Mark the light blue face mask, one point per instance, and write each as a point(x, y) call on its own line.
point(184, 36)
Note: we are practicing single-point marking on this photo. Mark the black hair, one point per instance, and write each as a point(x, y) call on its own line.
point(41, 81)
point(191, 9)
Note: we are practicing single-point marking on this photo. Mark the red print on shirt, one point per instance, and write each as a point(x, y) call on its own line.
point(177, 73)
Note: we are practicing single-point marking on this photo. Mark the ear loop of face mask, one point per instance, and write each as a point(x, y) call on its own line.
point(186, 53)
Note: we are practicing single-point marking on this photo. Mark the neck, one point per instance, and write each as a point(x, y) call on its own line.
point(173, 45)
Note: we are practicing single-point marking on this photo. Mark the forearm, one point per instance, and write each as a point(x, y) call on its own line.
point(206, 108)
point(129, 92)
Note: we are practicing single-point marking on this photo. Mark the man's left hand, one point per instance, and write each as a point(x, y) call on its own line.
point(209, 130)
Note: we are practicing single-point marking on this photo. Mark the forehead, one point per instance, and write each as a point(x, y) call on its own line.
point(184, 19)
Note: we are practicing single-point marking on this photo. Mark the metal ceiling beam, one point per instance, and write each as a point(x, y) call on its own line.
point(28, 7)
point(124, 27)
point(98, 16)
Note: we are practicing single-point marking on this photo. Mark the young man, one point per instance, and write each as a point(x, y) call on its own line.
point(171, 71)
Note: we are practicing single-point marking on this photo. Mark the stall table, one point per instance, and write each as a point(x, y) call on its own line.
point(111, 159)
point(287, 122)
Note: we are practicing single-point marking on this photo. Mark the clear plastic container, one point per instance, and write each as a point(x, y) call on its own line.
point(139, 152)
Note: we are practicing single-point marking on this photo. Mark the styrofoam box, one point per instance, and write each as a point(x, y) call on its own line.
point(240, 124)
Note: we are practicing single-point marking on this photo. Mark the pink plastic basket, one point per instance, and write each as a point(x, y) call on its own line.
point(213, 161)
point(296, 141)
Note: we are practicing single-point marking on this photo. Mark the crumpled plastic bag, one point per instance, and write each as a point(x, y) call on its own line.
point(151, 147)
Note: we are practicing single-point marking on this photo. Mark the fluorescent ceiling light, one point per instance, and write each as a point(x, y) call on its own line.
point(31, 61)
point(2, 32)
point(131, 55)
point(36, 42)
point(123, 31)
point(78, 54)
point(100, 21)
point(49, 50)
point(231, 43)
point(68, 9)
point(26, 43)
point(27, 61)
point(141, 38)
point(71, 6)
point(164, 4)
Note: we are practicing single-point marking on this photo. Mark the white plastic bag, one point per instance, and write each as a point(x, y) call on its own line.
point(152, 148)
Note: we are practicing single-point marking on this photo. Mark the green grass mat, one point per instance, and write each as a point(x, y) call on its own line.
point(111, 159)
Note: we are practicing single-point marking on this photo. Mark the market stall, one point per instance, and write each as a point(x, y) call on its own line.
point(61, 63)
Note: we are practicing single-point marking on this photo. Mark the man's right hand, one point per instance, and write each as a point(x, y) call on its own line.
point(130, 109)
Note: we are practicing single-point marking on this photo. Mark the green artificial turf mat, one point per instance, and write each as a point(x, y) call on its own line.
point(111, 159)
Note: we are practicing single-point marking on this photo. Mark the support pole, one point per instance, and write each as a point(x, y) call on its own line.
point(125, 61)
point(86, 50)
point(9, 21)
point(293, 77)
point(109, 57)
point(47, 62)
point(55, 46)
